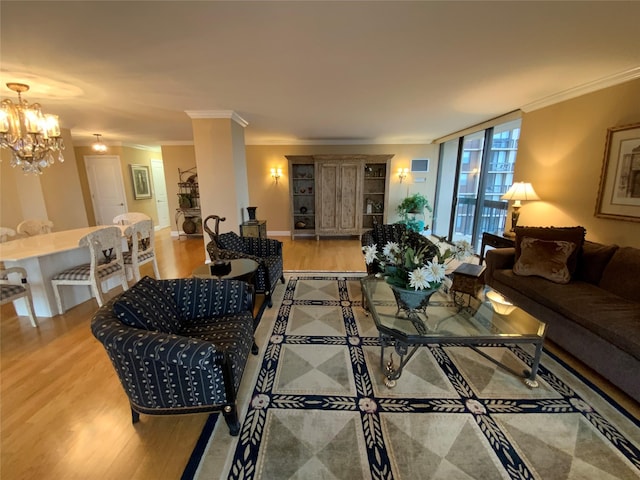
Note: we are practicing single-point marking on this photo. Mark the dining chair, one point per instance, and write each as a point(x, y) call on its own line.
point(105, 249)
point(129, 218)
point(140, 237)
point(6, 233)
point(34, 226)
point(12, 289)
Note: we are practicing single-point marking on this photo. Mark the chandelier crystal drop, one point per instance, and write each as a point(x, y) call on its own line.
point(33, 137)
point(98, 146)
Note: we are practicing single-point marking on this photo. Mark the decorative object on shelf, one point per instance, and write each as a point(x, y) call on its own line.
point(619, 191)
point(252, 213)
point(411, 206)
point(185, 200)
point(519, 191)
point(189, 226)
point(301, 224)
point(402, 173)
point(303, 209)
point(276, 173)
point(141, 182)
point(98, 146)
point(32, 136)
point(303, 190)
point(499, 303)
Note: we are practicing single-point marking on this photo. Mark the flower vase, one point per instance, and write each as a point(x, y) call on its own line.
point(410, 300)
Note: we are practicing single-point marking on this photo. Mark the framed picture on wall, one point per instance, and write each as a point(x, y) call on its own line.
point(619, 192)
point(141, 181)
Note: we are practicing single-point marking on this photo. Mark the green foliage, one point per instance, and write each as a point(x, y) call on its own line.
point(409, 207)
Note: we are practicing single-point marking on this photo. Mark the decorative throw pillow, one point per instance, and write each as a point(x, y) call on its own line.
point(231, 241)
point(592, 261)
point(568, 234)
point(145, 305)
point(546, 259)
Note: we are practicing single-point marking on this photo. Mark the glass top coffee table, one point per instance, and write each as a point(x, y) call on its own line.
point(445, 321)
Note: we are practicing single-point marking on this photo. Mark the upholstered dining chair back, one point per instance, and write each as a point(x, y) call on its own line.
point(141, 241)
point(130, 218)
point(6, 233)
point(14, 286)
point(105, 250)
point(34, 226)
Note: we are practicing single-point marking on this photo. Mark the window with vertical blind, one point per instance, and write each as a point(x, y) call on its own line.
point(475, 170)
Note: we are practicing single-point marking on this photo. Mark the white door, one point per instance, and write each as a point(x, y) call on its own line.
point(107, 187)
point(160, 189)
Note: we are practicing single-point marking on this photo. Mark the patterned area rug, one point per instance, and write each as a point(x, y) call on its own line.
point(317, 407)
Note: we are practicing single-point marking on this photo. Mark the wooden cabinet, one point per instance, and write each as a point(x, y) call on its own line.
point(339, 197)
point(335, 195)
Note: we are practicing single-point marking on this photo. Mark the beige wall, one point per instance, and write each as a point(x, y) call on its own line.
point(128, 156)
point(561, 153)
point(176, 157)
point(56, 194)
point(273, 200)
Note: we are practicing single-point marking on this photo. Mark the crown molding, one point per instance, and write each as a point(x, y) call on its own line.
point(583, 89)
point(199, 114)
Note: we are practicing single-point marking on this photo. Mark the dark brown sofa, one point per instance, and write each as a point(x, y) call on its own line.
point(595, 316)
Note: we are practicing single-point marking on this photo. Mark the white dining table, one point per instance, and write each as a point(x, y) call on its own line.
point(43, 256)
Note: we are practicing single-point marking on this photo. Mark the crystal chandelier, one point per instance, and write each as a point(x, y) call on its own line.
point(98, 146)
point(33, 137)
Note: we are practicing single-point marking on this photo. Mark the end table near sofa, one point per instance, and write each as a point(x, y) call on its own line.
point(254, 228)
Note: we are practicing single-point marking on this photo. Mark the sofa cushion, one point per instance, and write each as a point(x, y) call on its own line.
point(620, 276)
point(567, 234)
point(231, 241)
point(544, 258)
point(592, 260)
point(145, 305)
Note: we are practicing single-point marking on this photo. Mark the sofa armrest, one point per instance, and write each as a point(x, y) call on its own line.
point(499, 259)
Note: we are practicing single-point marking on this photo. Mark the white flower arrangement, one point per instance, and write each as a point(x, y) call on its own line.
point(407, 267)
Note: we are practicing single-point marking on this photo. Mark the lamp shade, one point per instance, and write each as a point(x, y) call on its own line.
point(520, 191)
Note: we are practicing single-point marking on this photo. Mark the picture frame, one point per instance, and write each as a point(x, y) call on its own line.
point(141, 181)
point(619, 190)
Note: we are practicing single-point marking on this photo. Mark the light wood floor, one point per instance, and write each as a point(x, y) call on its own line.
point(63, 412)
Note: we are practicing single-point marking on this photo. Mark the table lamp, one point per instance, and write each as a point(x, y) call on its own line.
point(517, 192)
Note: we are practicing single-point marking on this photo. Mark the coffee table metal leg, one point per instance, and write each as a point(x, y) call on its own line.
point(530, 376)
point(391, 372)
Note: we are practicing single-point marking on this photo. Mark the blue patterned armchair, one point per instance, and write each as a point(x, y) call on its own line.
point(266, 251)
point(179, 346)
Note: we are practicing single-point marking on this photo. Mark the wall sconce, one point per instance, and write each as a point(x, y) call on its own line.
point(276, 173)
point(402, 173)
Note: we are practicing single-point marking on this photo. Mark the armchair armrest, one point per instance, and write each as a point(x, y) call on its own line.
point(156, 347)
point(262, 247)
point(367, 238)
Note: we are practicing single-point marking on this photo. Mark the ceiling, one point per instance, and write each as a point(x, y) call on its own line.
point(308, 72)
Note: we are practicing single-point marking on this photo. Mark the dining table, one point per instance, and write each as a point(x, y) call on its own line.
point(44, 256)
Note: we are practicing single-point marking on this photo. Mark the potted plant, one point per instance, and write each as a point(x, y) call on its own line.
point(411, 206)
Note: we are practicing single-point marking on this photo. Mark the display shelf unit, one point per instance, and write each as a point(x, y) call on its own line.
point(188, 211)
point(302, 191)
point(374, 194)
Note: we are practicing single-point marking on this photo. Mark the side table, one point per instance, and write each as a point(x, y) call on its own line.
point(255, 228)
point(467, 278)
point(495, 241)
